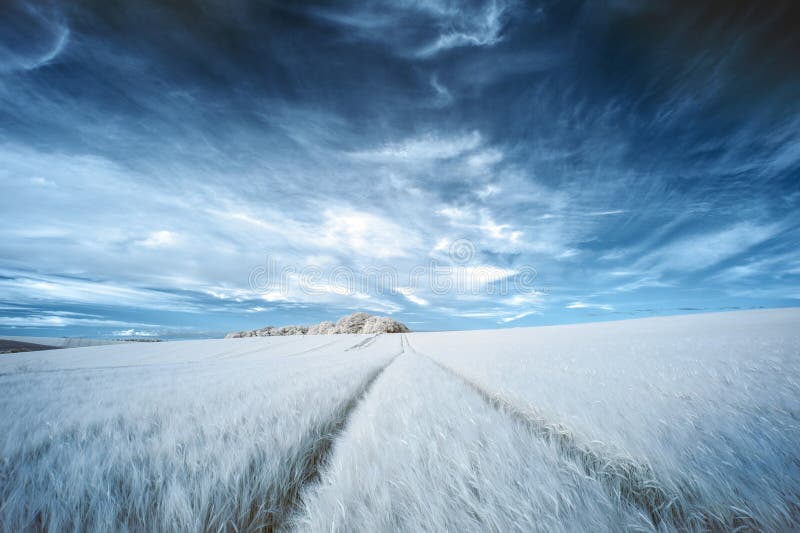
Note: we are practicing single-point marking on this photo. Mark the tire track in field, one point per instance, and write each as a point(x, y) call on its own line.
point(264, 509)
point(623, 477)
point(310, 461)
point(235, 352)
point(366, 342)
point(206, 361)
point(317, 347)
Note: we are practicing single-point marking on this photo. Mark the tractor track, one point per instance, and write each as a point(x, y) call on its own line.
point(623, 477)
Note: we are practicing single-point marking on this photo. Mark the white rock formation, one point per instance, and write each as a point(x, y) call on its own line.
point(355, 323)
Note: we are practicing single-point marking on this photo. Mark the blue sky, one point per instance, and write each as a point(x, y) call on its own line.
point(559, 161)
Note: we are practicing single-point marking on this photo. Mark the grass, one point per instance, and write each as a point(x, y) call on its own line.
point(695, 418)
point(424, 452)
point(674, 424)
point(206, 445)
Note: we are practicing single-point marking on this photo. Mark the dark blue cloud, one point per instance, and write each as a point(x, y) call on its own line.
point(642, 157)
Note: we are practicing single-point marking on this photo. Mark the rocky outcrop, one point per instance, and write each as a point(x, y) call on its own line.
point(355, 323)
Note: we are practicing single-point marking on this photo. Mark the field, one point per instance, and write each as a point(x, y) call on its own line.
point(680, 423)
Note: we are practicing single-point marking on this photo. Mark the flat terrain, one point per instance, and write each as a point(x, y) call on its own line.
point(680, 423)
point(9, 346)
point(62, 342)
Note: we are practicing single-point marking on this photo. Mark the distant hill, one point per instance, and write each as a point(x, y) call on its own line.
point(62, 342)
point(11, 346)
point(355, 323)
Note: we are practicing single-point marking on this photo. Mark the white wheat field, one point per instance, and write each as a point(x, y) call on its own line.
point(685, 423)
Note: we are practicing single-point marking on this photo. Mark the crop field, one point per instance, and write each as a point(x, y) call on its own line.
point(664, 424)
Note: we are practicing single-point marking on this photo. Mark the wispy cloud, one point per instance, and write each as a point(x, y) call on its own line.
point(409, 295)
point(469, 29)
point(586, 305)
point(33, 35)
point(32, 289)
point(518, 316)
point(366, 234)
point(696, 252)
point(441, 25)
point(134, 333)
point(425, 148)
point(159, 239)
point(59, 321)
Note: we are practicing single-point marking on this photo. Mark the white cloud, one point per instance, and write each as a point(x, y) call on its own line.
point(452, 213)
point(502, 315)
point(421, 149)
point(249, 219)
point(351, 231)
point(488, 191)
point(779, 265)
point(532, 298)
point(442, 245)
point(481, 314)
point(468, 28)
point(134, 333)
point(308, 288)
point(42, 182)
point(481, 226)
point(225, 293)
point(518, 316)
point(159, 239)
point(566, 254)
point(500, 232)
point(460, 25)
point(605, 213)
point(37, 289)
point(274, 296)
point(483, 160)
point(642, 283)
point(585, 305)
point(480, 275)
point(409, 295)
point(44, 320)
point(701, 251)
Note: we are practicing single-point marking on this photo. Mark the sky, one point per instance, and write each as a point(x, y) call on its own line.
point(188, 168)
